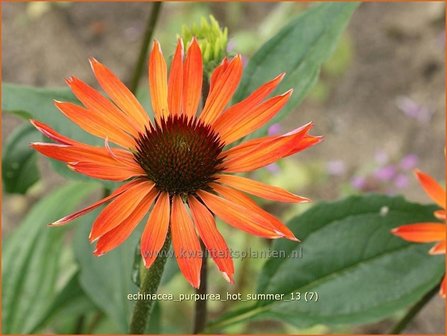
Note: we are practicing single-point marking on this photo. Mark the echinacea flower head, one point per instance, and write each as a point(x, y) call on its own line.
point(433, 232)
point(177, 166)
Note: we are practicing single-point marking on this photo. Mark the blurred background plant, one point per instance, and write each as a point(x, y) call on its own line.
point(379, 102)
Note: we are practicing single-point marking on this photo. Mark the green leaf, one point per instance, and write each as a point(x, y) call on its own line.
point(19, 161)
point(107, 279)
point(31, 259)
point(299, 49)
point(37, 103)
point(361, 272)
point(70, 301)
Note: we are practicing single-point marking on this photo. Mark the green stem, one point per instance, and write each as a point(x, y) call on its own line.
point(409, 316)
point(150, 27)
point(149, 286)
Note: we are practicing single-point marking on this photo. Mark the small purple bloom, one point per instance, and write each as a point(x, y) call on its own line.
point(358, 182)
point(401, 181)
point(381, 157)
point(274, 129)
point(410, 161)
point(385, 173)
point(273, 168)
point(412, 109)
point(231, 45)
point(336, 167)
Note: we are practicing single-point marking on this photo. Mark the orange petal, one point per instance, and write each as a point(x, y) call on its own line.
point(440, 214)
point(192, 79)
point(175, 85)
point(254, 119)
point(443, 285)
point(222, 91)
point(73, 216)
point(120, 233)
point(95, 124)
point(86, 153)
point(120, 95)
point(432, 188)
point(260, 189)
point(238, 216)
point(256, 154)
point(106, 172)
point(421, 232)
point(52, 134)
point(232, 116)
point(186, 244)
point(211, 237)
point(218, 72)
point(119, 209)
point(268, 220)
point(158, 85)
point(101, 106)
point(439, 248)
point(154, 234)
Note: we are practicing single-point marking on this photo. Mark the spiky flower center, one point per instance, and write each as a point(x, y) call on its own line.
point(180, 154)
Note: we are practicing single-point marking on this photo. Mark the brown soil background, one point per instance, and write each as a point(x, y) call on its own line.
point(398, 50)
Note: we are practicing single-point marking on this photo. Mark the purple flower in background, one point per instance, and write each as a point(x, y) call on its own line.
point(385, 173)
point(231, 45)
point(358, 182)
point(409, 162)
point(413, 110)
point(381, 157)
point(273, 168)
point(274, 129)
point(401, 181)
point(336, 167)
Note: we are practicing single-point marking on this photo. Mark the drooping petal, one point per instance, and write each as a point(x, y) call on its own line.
point(432, 188)
point(238, 216)
point(192, 79)
point(186, 243)
point(250, 121)
point(119, 209)
point(156, 229)
point(421, 232)
point(260, 189)
point(52, 134)
point(229, 118)
point(120, 233)
point(222, 91)
point(73, 216)
point(101, 106)
point(175, 84)
point(121, 95)
point(258, 153)
point(211, 237)
point(158, 83)
point(439, 248)
point(268, 220)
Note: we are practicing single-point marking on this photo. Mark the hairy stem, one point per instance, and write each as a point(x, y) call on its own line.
point(145, 42)
point(411, 314)
point(151, 281)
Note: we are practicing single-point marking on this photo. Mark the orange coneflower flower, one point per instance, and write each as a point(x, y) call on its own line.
point(428, 232)
point(177, 164)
